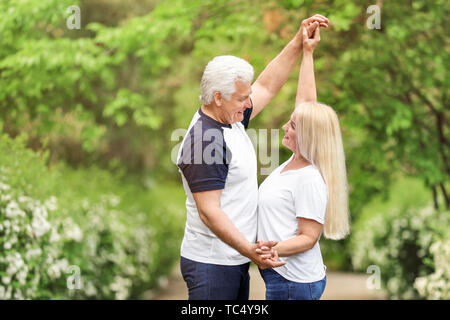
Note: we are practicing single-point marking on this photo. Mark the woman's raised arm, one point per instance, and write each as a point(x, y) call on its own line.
point(306, 90)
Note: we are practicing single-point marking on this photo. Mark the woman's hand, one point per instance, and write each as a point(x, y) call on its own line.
point(266, 252)
point(311, 41)
point(307, 25)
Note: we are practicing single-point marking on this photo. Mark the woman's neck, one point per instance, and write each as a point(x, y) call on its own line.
point(299, 161)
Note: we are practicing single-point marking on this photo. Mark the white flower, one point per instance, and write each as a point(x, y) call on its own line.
point(54, 236)
point(74, 233)
point(6, 280)
point(4, 187)
point(51, 203)
point(12, 210)
point(6, 197)
point(40, 225)
point(18, 295)
point(32, 253)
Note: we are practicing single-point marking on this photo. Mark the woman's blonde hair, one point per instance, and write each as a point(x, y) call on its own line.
point(319, 141)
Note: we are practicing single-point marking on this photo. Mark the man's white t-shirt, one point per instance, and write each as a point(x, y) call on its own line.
point(217, 156)
point(282, 198)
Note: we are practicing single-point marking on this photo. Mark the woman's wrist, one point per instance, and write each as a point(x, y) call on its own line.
point(308, 52)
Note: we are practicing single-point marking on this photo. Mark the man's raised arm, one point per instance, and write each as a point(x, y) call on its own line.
point(277, 71)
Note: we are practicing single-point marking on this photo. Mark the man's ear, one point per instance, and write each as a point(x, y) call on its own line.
point(218, 98)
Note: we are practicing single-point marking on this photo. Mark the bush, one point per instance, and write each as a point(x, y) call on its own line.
point(118, 237)
point(409, 243)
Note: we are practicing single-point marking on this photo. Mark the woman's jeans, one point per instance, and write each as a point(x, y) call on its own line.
point(207, 281)
point(279, 288)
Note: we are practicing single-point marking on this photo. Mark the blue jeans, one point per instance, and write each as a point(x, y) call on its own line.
point(207, 281)
point(279, 288)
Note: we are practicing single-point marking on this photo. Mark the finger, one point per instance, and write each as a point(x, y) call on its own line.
point(261, 251)
point(317, 34)
point(312, 28)
point(277, 263)
point(319, 19)
point(321, 16)
point(268, 243)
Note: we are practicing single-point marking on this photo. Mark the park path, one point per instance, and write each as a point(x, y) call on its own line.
point(340, 286)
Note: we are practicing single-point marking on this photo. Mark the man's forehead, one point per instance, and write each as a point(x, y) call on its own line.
point(243, 88)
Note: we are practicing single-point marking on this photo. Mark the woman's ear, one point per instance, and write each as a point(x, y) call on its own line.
point(218, 98)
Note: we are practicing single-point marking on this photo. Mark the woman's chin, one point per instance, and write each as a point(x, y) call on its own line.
point(285, 143)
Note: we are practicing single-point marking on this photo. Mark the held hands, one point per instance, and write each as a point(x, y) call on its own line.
point(310, 42)
point(266, 256)
point(309, 31)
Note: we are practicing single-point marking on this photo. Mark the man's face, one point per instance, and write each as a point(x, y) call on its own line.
point(233, 109)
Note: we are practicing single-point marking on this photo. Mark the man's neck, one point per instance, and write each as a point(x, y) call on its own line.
point(209, 111)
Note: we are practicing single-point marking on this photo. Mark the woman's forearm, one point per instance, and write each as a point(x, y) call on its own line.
point(298, 244)
point(306, 90)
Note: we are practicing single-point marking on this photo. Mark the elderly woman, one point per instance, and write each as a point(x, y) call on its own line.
point(306, 195)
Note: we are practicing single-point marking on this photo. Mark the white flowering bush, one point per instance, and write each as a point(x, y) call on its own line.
point(410, 246)
point(436, 286)
point(67, 234)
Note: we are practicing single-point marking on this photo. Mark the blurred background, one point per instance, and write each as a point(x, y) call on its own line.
point(91, 205)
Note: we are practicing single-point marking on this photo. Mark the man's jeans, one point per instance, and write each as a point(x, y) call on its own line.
point(279, 288)
point(215, 282)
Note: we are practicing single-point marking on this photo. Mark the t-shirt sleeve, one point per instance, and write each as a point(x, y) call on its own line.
point(247, 114)
point(208, 169)
point(310, 200)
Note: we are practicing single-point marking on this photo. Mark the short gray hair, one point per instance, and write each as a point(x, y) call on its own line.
point(221, 73)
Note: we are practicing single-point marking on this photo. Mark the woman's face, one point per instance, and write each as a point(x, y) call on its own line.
point(290, 138)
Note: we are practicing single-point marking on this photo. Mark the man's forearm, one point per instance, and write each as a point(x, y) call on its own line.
point(277, 71)
point(306, 90)
point(219, 223)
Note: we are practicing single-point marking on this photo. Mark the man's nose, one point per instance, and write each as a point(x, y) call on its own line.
point(248, 103)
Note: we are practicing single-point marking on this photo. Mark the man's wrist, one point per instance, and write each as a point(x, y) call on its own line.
point(298, 41)
point(248, 249)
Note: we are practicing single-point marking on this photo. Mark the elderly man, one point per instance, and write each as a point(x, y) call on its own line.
point(218, 166)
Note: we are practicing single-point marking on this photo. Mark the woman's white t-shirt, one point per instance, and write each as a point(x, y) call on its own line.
point(283, 197)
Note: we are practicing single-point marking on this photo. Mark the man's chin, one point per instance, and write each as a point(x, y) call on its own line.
point(239, 117)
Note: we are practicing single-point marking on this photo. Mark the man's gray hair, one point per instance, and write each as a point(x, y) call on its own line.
point(221, 73)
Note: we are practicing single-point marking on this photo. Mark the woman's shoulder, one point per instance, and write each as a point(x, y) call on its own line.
point(311, 175)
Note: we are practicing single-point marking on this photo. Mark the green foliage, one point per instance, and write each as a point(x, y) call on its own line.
point(407, 239)
point(119, 236)
point(115, 91)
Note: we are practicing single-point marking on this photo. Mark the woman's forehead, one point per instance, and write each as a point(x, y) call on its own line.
point(293, 116)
